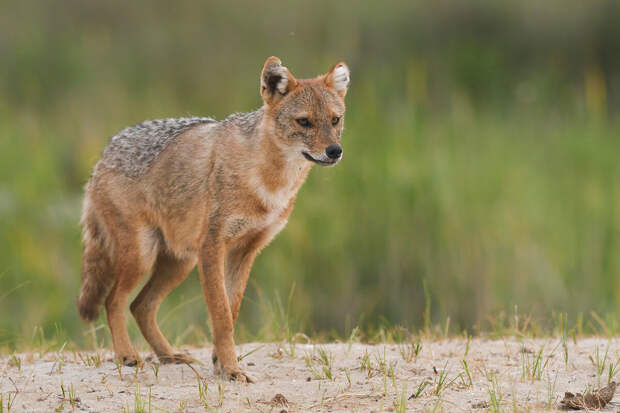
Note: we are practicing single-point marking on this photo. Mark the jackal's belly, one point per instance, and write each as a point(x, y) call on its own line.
point(182, 237)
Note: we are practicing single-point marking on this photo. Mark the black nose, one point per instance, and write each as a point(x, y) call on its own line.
point(333, 151)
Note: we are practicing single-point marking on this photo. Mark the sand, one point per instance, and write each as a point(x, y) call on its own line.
point(504, 375)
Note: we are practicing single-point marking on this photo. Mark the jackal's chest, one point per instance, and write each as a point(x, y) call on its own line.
point(238, 226)
point(274, 203)
point(272, 220)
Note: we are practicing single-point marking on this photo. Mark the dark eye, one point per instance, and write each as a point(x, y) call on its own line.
point(335, 120)
point(304, 122)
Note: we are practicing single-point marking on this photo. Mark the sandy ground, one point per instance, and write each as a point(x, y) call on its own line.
point(506, 375)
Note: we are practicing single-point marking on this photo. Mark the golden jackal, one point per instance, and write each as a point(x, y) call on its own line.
point(169, 194)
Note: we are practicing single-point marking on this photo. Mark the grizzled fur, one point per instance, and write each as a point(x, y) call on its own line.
point(171, 194)
point(133, 149)
point(246, 122)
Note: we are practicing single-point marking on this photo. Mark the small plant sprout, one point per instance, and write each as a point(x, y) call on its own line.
point(410, 351)
point(352, 338)
point(242, 356)
point(385, 386)
point(347, 374)
point(442, 381)
point(604, 363)
point(467, 343)
point(495, 396)
point(73, 399)
point(140, 406)
point(68, 394)
point(326, 359)
point(94, 360)
point(220, 393)
point(400, 403)
point(202, 392)
point(366, 365)
point(382, 362)
point(469, 382)
point(82, 358)
point(599, 363)
point(391, 374)
point(10, 400)
point(60, 356)
point(551, 393)
point(532, 367)
point(119, 367)
point(15, 361)
point(614, 368)
point(155, 368)
point(423, 384)
point(487, 373)
point(309, 360)
point(290, 349)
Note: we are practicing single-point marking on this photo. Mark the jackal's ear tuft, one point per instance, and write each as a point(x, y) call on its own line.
point(338, 78)
point(275, 80)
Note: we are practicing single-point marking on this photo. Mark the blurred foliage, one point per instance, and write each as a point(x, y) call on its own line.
point(481, 154)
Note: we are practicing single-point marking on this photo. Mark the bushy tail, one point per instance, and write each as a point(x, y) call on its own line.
point(97, 276)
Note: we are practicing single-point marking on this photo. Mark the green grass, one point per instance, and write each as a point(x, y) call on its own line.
point(477, 174)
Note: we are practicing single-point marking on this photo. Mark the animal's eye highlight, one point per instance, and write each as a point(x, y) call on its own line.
point(335, 120)
point(304, 122)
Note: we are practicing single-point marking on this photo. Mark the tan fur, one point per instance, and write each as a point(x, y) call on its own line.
point(215, 197)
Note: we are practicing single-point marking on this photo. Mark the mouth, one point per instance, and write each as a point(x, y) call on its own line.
point(320, 161)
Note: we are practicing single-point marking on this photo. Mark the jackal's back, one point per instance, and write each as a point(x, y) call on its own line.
point(133, 150)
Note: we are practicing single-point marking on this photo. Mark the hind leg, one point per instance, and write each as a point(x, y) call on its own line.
point(168, 273)
point(115, 305)
point(135, 261)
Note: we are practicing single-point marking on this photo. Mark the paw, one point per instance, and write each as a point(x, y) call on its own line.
point(239, 376)
point(130, 360)
point(232, 373)
point(176, 358)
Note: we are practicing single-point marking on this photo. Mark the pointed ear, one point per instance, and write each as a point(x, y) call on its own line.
point(275, 80)
point(338, 78)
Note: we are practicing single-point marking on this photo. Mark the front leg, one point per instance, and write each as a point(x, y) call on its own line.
point(238, 265)
point(213, 285)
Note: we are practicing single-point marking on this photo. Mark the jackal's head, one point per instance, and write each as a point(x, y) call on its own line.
point(305, 116)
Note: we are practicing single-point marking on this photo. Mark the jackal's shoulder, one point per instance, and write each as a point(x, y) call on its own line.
point(133, 149)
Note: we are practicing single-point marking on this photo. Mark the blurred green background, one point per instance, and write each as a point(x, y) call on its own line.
point(481, 155)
